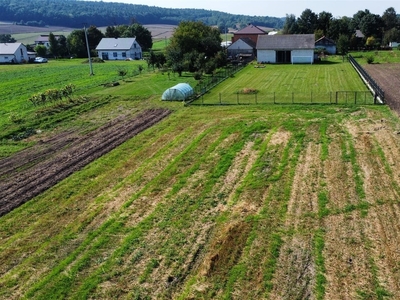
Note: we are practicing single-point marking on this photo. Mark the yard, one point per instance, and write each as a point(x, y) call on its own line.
point(211, 202)
point(333, 81)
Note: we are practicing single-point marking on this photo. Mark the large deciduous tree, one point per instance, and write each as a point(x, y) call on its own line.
point(194, 46)
point(136, 30)
point(7, 38)
point(77, 43)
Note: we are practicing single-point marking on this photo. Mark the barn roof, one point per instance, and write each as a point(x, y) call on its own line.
point(251, 29)
point(9, 48)
point(116, 43)
point(247, 41)
point(286, 42)
point(325, 41)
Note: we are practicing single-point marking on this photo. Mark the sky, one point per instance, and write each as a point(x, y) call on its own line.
point(276, 8)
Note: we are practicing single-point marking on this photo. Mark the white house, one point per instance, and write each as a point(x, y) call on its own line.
point(291, 48)
point(13, 53)
point(119, 49)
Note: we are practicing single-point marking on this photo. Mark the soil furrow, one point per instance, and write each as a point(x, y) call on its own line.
point(30, 183)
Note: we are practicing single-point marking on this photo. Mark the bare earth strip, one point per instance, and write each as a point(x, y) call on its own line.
point(295, 272)
point(388, 78)
point(346, 258)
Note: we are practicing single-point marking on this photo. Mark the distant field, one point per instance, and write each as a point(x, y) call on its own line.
point(28, 34)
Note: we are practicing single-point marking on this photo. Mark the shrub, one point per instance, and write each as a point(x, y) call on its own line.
point(370, 59)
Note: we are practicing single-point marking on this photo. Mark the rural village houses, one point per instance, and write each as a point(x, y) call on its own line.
point(119, 49)
point(13, 53)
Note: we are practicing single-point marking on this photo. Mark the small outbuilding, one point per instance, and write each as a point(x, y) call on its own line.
point(326, 43)
point(243, 48)
point(179, 92)
point(290, 48)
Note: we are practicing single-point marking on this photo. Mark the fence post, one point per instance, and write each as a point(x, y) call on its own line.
point(337, 97)
point(274, 98)
point(311, 96)
point(220, 100)
point(237, 97)
point(355, 97)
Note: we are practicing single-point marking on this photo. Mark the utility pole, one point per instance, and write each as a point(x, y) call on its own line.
point(88, 51)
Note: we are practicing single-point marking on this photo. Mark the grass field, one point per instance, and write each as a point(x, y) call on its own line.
point(19, 82)
point(317, 83)
point(217, 202)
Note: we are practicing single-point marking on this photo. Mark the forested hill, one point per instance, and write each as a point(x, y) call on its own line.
point(73, 13)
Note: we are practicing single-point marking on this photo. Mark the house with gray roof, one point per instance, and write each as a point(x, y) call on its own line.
point(290, 48)
point(13, 53)
point(119, 49)
point(242, 49)
point(326, 44)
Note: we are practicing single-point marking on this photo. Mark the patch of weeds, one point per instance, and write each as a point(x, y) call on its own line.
point(324, 140)
point(274, 250)
point(151, 265)
point(319, 244)
point(322, 203)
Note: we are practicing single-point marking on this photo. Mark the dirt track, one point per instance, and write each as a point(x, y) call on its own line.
point(388, 78)
point(32, 171)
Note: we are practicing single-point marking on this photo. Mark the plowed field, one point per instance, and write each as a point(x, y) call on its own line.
point(32, 171)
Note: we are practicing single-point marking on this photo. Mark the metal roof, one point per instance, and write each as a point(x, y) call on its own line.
point(286, 42)
point(116, 44)
point(251, 29)
point(9, 48)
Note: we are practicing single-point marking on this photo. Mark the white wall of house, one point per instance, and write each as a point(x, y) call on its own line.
point(120, 55)
point(302, 56)
point(20, 55)
point(266, 56)
point(394, 44)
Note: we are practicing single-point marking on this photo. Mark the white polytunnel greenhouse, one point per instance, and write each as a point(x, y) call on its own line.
point(179, 92)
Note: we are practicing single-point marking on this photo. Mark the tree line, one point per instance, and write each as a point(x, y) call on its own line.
point(377, 30)
point(73, 13)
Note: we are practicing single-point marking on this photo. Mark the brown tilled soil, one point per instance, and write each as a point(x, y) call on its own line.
point(32, 171)
point(387, 76)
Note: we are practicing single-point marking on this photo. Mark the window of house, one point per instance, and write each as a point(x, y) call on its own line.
point(22, 53)
point(123, 54)
point(134, 45)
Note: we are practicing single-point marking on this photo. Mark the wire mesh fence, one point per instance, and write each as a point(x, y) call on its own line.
point(339, 97)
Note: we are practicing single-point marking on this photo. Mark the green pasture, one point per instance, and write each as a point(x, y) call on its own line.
point(19, 82)
point(379, 57)
point(332, 81)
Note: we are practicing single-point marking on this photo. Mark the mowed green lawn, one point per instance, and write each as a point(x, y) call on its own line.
point(304, 83)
